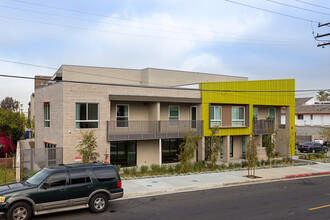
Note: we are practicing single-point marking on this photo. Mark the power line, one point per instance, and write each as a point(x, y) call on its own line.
point(308, 3)
point(292, 6)
point(274, 12)
point(157, 87)
point(150, 36)
point(201, 32)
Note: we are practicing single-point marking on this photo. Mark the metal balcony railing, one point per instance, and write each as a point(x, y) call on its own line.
point(262, 126)
point(144, 130)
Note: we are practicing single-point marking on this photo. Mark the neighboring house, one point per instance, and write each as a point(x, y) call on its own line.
point(141, 116)
point(311, 116)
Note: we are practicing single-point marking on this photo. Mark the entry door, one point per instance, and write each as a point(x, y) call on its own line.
point(193, 117)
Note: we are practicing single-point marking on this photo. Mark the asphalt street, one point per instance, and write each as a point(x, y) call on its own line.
point(304, 198)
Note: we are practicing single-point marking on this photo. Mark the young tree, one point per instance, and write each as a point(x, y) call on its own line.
point(87, 146)
point(213, 147)
point(12, 124)
point(187, 149)
point(323, 95)
point(269, 143)
point(252, 155)
point(9, 103)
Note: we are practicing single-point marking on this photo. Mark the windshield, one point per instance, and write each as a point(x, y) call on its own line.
point(37, 178)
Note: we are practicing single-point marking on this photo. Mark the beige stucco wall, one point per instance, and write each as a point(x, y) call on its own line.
point(54, 95)
point(147, 152)
point(237, 147)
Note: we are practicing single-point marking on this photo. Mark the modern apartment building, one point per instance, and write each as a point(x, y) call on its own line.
point(140, 116)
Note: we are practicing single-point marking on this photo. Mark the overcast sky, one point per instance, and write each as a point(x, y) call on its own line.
point(203, 36)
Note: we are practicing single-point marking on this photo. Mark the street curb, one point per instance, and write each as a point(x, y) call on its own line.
point(306, 174)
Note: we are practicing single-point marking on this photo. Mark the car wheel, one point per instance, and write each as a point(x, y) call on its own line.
point(19, 211)
point(98, 203)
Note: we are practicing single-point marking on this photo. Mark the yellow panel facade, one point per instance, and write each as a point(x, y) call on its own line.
point(277, 93)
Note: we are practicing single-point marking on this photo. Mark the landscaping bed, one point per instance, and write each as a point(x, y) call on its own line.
point(318, 157)
point(10, 176)
point(199, 167)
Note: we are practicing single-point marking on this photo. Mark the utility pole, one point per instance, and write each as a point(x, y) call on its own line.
point(326, 42)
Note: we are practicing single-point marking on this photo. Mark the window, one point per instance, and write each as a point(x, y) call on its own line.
point(87, 115)
point(123, 153)
point(238, 116)
point(47, 115)
point(215, 116)
point(122, 115)
point(174, 112)
point(311, 117)
point(51, 148)
point(300, 117)
point(79, 176)
point(271, 113)
point(57, 179)
point(104, 174)
point(170, 150)
point(255, 113)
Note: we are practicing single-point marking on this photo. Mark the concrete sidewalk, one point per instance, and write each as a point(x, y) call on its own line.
point(181, 183)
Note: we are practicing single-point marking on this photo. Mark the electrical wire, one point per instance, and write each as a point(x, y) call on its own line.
point(308, 3)
point(273, 12)
point(157, 87)
point(292, 6)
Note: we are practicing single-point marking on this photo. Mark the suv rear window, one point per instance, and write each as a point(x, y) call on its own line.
point(104, 174)
point(78, 176)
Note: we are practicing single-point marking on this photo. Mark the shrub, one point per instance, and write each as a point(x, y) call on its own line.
point(263, 162)
point(198, 166)
point(222, 166)
point(230, 165)
point(27, 173)
point(237, 165)
point(178, 168)
point(126, 171)
point(170, 169)
point(144, 169)
point(162, 169)
point(117, 167)
point(244, 163)
point(133, 171)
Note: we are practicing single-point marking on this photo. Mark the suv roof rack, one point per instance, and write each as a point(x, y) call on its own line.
point(82, 164)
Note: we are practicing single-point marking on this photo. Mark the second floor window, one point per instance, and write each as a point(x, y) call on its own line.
point(271, 113)
point(238, 116)
point(87, 115)
point(215, 116)
point(47, 115)
point(174, 112)
point(122, 115)
point(255, 113)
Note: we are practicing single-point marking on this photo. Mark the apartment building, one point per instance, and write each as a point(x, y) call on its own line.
point(138, 116)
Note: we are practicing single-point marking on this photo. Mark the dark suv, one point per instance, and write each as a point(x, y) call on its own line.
point(62, 188)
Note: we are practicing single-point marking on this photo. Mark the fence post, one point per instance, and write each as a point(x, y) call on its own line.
point(5, 168)
point(22, 165)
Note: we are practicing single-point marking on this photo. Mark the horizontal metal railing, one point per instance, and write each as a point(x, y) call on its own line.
point(144, 130)
point(262, 126)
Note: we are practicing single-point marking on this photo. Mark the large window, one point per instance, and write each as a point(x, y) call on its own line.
point(174, 113)
point(300, 117)
point(123, 153)
point(47, 115)
point(271, 113)
point(57, 179)
point(87, 115)
point(170, 150)
point(122, 115)
point(238, 116)
point(255, 113)
point(215, 116)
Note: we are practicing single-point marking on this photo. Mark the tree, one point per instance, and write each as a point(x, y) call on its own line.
point(269, 143)
point(188, 148)
point(87, 146)
point(6, 146)
point(213, 147)
point(323, 95)
point(252, 155)
point(9, 104)
point(325, 133)
point(12, 124)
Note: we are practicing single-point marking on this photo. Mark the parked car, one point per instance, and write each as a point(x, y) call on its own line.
point(312, 147)
point(62, 188)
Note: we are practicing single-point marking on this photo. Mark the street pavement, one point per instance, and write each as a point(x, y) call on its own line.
point(172, 184)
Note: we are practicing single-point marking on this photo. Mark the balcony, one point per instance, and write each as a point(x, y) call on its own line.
point(148, 130)
point(262, 126)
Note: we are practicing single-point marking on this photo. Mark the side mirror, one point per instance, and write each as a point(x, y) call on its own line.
point(45, 185)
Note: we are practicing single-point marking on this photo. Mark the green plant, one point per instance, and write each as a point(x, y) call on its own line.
point(170, 169)
point(252, 155)
point(144, 169)
point(230, 165)
point(178, 168)
point(236, 165)
point(213, 147)
point(133, 171)
point(269, 142)
point(155, 169)
point(244, 163)
point(87, 146)
point(199, 166)
point(162, 169)
point(188, 148)
point(126, 171)
point(27, 173)
point(222, 166)
point(117, 166)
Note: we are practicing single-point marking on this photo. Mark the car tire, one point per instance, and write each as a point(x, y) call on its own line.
point(98, 203)
point(19, 211)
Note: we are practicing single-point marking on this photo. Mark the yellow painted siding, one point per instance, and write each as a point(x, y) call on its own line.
point(250, 93)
